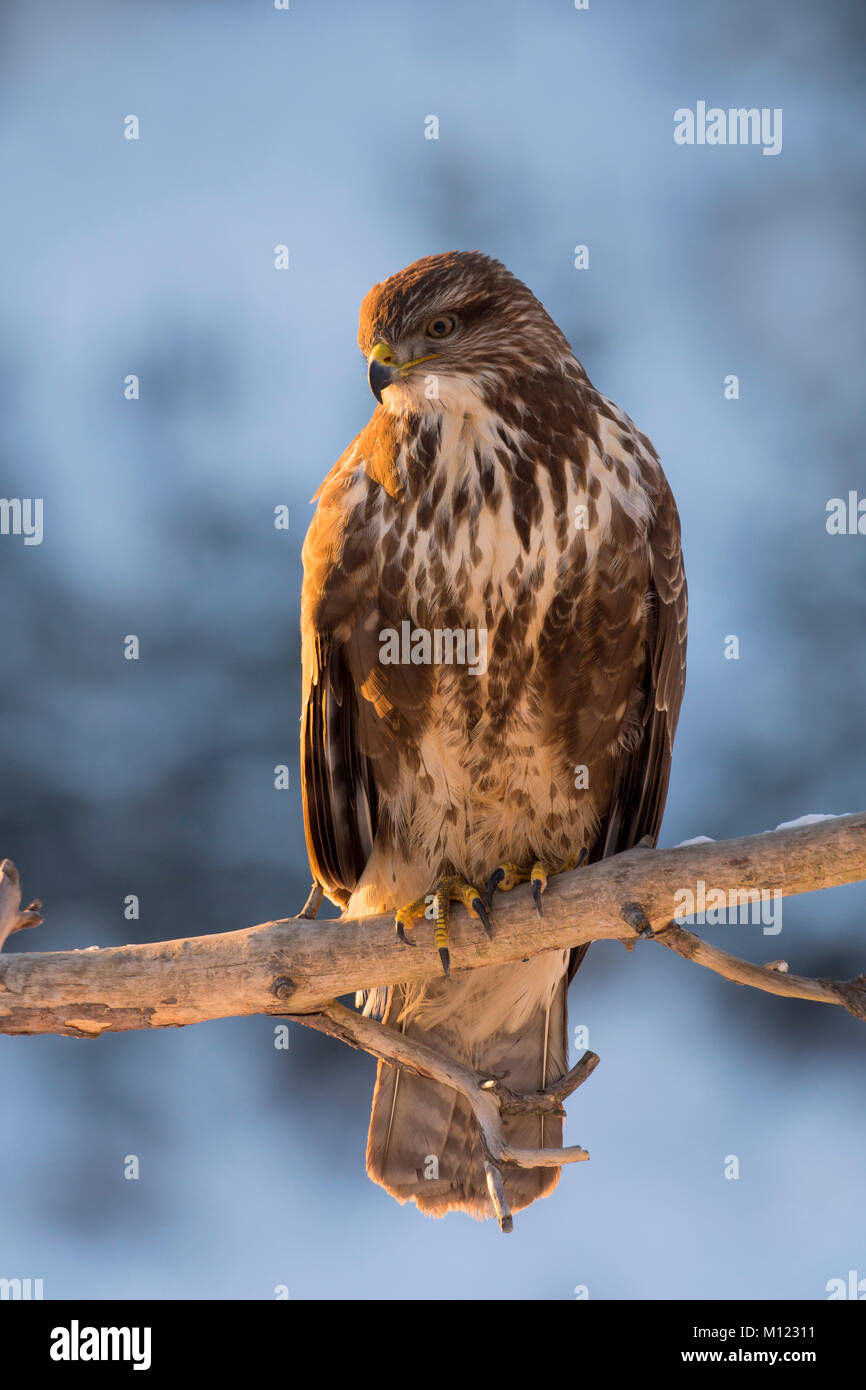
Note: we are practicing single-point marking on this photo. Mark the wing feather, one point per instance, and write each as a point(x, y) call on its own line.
point(637, 801)
point(339, 793)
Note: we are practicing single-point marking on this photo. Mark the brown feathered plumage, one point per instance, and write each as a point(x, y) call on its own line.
point(494, 490)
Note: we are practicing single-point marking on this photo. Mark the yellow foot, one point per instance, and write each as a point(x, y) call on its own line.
point(450, 889)
point(508, 875)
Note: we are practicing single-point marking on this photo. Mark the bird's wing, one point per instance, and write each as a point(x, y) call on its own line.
point(353, 722)
point(637, 805)
point(339, 792)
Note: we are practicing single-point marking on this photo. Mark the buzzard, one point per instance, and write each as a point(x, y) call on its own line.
point(496, 506)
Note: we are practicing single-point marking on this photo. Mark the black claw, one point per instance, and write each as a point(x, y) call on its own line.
point(493, 883)
point(582, 857)
point(482, 913)
point(445, 958)
point(536, 893)
point(401, 932)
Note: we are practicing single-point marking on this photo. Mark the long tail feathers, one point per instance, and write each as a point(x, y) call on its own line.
point(423, 1141)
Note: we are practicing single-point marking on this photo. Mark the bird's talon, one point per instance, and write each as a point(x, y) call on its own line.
point(481, 911)
point(478, 909)
point(450, 888)
point(407, 916)
point(504, 877)
point(538, 879)
point(493, 883)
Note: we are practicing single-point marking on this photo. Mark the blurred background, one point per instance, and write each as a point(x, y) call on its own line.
point(155, 257)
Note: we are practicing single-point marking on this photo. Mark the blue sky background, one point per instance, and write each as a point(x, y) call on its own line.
point(155, 257)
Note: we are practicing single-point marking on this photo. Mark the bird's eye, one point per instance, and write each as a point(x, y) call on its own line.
point(441, 327)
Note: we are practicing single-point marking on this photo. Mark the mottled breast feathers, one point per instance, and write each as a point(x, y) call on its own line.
point(542, 516)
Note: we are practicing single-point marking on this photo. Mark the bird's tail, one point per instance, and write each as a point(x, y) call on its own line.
point(508, 1021)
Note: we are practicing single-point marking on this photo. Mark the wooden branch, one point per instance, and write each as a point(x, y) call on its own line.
point(298, 965)
point(294, 968)
point(489, 1098)
point(12, 919)
point(773, 978)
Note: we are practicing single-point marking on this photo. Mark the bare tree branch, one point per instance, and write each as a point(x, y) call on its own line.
point(12, 919)
point(773, 977)
point(298, 965)
point(295, 967)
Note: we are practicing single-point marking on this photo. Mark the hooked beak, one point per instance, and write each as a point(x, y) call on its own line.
point(383, 368)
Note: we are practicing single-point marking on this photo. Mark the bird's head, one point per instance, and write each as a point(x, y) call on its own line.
point(453, 326)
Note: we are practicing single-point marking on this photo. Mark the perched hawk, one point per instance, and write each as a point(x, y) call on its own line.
point(496, 497)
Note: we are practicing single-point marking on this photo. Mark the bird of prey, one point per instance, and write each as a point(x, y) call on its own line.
point(495, 497)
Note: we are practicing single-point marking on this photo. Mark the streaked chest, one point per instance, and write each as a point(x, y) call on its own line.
point(500, 517)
